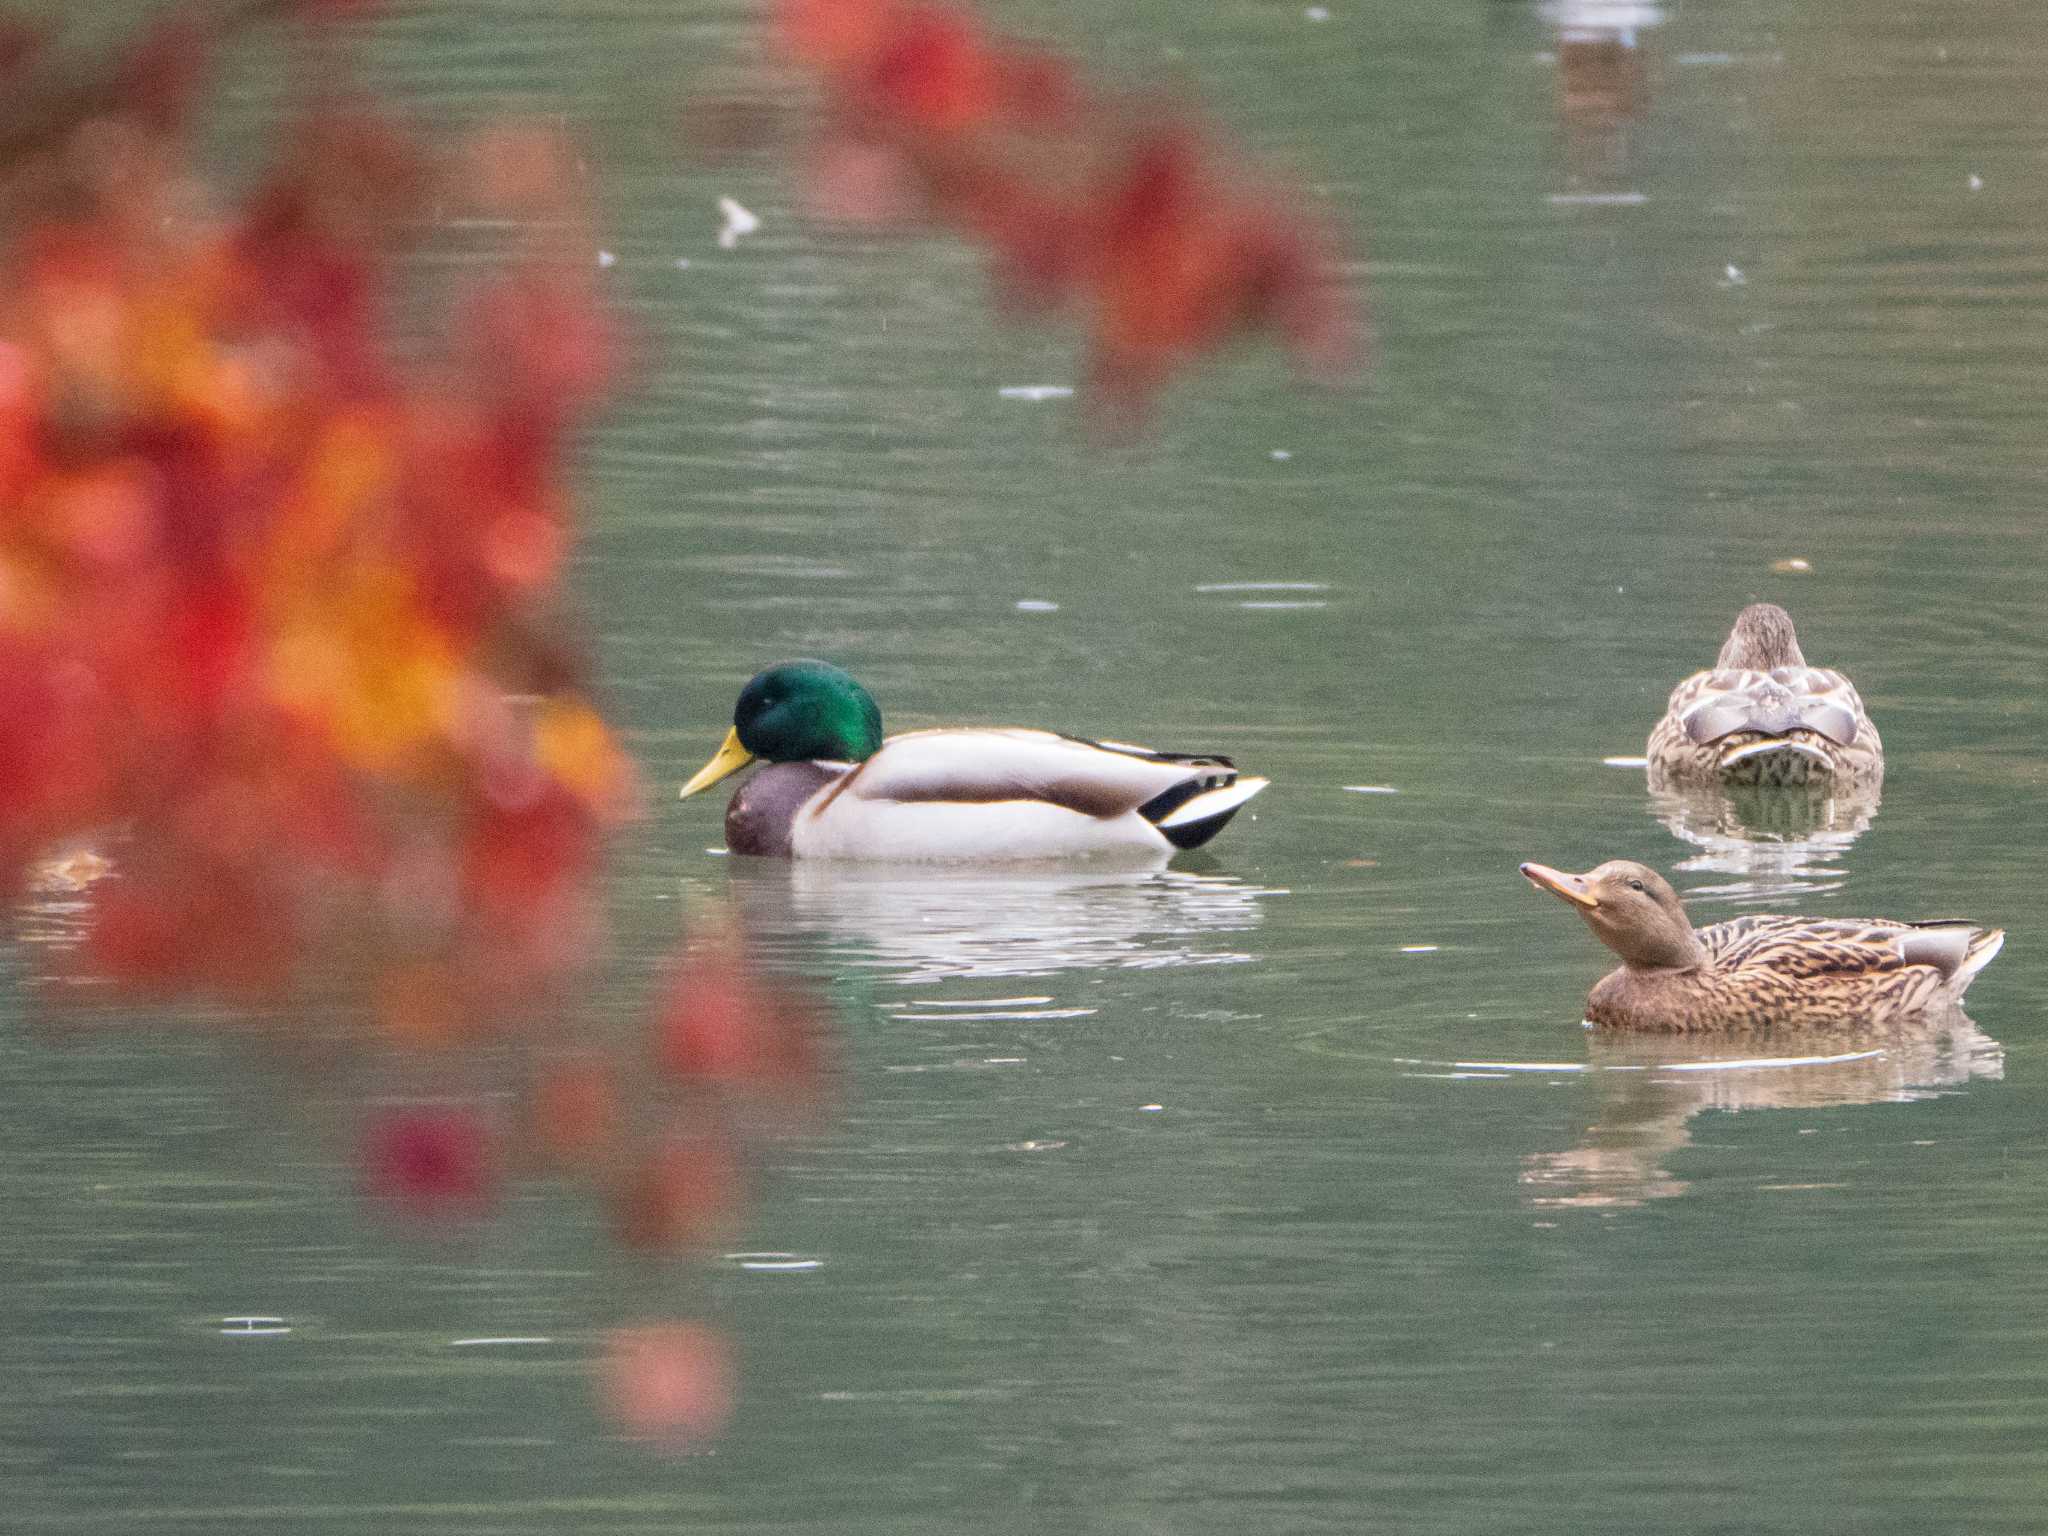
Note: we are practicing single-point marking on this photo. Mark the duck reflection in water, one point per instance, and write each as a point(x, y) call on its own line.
point(923, 924)
point(1602, 86)
point(1648, 1090)
point(1772, 842)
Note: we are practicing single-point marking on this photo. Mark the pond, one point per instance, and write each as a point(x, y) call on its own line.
point(1281, 1190)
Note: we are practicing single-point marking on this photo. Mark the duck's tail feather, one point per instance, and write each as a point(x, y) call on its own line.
point(1983, 950)
point(1958, 950)
point(1192, 819)
point(1776, 762)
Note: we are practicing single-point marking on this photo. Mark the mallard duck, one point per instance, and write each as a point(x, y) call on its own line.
point(1759, 970)
point(1763, 716)
point(835, 788)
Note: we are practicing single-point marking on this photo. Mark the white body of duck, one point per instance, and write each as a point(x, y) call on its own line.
point(834, 787)
point(987, 796)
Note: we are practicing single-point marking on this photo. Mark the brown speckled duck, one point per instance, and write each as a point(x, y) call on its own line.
point(1760, 970)
point(1763, 716)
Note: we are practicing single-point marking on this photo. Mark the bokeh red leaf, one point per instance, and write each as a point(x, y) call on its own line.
point(432, 1163)
point(671, 1383)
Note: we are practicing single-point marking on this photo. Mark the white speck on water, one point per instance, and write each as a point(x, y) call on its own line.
point(253, 1327)
point(738, 221)
point(607, 259)
point(1626, 762)
point(1370, 789)
point(1036, 605)
point(506, 1339)
point(1036, 392)
point(1005, 1014)
point(979, 1002)
point(1598, 199)
point(1771, 1063)
point(1150, 1109)
point(1793, 564)
point(682, 263)
point(1733, 277)
point(1012, 1014)
point(1976, 183)
point(1034, 1146)
point(1420, 949)
point(1317, 13)
point(1263, 586)
point(1279, 455)
point(774, 1261)
point(1604, 16)
point(1314, 602)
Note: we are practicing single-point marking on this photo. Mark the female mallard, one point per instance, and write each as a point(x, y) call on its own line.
point(1763, 716)
point(1760, 970)
point(834, 788)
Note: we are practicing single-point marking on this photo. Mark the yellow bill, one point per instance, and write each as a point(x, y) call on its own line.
point(1572, 888)
point(729, 759)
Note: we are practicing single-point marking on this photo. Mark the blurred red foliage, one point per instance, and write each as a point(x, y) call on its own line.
point(282, 634)
point(279, 611)
point(1128, 215)
point(432, 1164)
point(721, 1023)
point(669, 1382)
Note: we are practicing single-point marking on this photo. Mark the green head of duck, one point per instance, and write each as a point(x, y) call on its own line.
point(796, 712)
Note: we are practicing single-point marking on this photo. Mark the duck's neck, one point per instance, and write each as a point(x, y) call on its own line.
point(1674, 950)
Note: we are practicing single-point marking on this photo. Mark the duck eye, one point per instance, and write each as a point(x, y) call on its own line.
point(1635, 885)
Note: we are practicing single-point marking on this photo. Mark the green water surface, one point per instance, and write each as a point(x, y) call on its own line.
point(1282, 1192)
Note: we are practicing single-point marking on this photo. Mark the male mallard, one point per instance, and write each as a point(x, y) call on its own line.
point(834, 788)
point(1760, 970)
point(1763, 716)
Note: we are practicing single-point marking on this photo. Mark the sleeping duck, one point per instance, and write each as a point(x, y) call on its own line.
point(1763, 716)
point(833, 787)
point(1760, 970)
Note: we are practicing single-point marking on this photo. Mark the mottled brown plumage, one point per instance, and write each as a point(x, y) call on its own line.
point(1760, 971)
point(1763, 716)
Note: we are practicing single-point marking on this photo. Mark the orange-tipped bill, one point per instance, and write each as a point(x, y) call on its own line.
point(729, 759)
point(1572, 888)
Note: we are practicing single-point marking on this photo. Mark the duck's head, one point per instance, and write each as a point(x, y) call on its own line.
point(1630, 908)
point(1761, 641)
point(795, 712)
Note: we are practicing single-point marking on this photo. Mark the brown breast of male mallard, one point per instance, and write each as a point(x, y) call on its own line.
point(762, 810)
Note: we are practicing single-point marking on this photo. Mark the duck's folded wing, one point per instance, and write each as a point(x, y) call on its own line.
point(1776, 703)
point(1805, 946)
point(969, 767)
